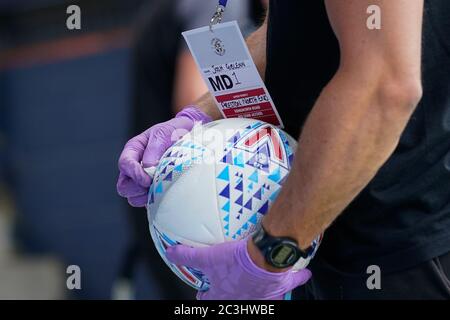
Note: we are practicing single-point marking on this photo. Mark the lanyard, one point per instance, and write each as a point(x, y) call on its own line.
point(217, 16)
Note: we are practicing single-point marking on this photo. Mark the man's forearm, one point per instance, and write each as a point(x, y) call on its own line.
point(358, 119)
point(256, 43)
point(353, 129)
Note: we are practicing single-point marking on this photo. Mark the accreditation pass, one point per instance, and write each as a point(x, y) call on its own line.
point(228, 69)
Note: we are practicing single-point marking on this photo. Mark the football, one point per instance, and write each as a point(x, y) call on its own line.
point(215, 184)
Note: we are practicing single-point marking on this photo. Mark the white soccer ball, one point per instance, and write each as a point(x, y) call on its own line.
point(215, 184)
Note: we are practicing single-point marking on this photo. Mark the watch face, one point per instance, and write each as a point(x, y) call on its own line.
point(283, 255)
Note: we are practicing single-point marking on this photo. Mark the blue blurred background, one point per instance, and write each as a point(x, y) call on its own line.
point(69, 100)
point(64, 116)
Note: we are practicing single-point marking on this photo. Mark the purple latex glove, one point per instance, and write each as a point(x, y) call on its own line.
point(145, 150)
point(233, 275)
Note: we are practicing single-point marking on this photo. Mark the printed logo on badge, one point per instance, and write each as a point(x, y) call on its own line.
point(218, 46)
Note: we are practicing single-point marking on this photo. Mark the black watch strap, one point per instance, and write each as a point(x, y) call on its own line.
point(279, 252)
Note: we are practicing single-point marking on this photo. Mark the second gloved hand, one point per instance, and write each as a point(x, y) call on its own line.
point(233, 275)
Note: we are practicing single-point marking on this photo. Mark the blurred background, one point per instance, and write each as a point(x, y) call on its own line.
point(69, 100)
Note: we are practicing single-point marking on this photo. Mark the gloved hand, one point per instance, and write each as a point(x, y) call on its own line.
point(233, 275)
point(145, 150)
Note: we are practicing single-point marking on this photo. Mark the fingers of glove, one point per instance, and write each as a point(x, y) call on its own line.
point(159, 141)
point(184, 256)
point(163, 136)
point(126, 187)
point(194, 114)
point(139, 201)
point(130, 161)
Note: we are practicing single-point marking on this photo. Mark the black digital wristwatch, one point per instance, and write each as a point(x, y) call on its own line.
point(279, 252)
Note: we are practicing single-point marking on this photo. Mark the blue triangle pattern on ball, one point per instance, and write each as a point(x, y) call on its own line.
point(239, 200)
point(159, 188)
point(187, 163)
point(283, 180)
point(291, 159)
point(168, 177)
point(256, 124)
point(239, 160)
point(288, 149)
point(164, 162)
point(152, 198)
point(274, 195)
point(227, 218)
point(225, 174)
point(275, 176)
point(248, 205)
point(255, 162)
point(228, 158)
point(253, 219)
point(225, 192)
point(264, 150)
point(178, 168)
point(239, 186)
point(258, 194)
point(254, 176)
point(226, 207)
point(235, 138)
point(264, 208)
